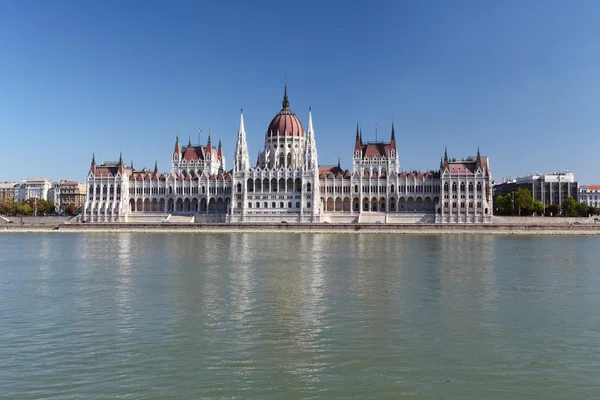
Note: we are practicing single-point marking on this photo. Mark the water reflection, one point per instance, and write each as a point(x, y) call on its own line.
point(124, 287)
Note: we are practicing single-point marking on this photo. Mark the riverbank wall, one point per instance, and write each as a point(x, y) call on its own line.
point(521, 229)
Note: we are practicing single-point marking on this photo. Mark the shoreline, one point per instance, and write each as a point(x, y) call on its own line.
point(413, 229)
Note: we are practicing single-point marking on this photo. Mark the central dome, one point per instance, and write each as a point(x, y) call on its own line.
point(285, 122)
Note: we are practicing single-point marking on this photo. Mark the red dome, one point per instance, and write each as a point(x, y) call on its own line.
point(285, 122)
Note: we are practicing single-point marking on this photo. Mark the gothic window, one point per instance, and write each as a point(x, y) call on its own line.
point(462, 186)
point(470, 186)
point(239, 187)
point(446, 186)
point(392, 189)
point(273, 204)
point(308, 187)
point(355, 188)
point(479, 186)
point(454, 186)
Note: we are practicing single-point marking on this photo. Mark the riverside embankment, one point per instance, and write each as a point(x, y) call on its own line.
point(496, 229)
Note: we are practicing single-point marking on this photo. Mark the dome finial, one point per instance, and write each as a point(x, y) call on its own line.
point(285, 103)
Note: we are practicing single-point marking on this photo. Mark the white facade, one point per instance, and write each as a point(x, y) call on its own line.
point(590, 195)
point(287, 184)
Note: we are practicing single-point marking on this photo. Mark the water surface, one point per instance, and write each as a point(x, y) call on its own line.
point(274, 316)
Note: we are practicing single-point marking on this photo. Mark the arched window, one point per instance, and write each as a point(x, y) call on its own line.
point(289, 160)
point(446, 187)
point(308, 187)
point(479, 186)
point(355, 188)
point(239, 187)
point(392, 189)
point(470, 186)
point(454, 186)
point(462, 186)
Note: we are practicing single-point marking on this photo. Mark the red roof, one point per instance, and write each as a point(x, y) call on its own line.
point(377, 150)
point(198, 153)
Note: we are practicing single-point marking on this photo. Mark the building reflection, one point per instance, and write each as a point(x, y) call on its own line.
point(124, 281)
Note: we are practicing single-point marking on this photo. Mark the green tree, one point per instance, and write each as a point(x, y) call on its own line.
point(592, 210)
point(582, 209)
point(552, 210)
point(538, 207)
point(523, 201)
point(569, 207)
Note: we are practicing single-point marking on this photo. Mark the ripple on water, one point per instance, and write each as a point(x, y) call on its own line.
point(298, 316)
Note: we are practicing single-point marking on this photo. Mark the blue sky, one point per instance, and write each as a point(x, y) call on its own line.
point(519, 79)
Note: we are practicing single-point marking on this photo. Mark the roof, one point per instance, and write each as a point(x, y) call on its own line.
point(467, 167)
point(195, 153)
point(331, 172)
point(376, 149)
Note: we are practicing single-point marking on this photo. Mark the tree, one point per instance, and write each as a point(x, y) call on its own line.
point(569, 207)
point(592, 210)
point(5, 206)
point(552, 210)
point(523, 201)
point(70, 209)
point(503, 205)
point(538, 207)
point(582, 209)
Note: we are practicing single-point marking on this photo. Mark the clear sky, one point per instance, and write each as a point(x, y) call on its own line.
point(520, 79)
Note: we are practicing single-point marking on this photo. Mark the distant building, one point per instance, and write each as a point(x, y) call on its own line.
point(71, 192)
point(590, 195)
point(549, 188)
point(9, 191)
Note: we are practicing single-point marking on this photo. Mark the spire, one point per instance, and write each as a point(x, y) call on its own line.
point(393, 140)
point(241, 159)
point(310, 123)
point(478, 164)
point(120, 158)
point(285, 103)
point(156, 167)
point(220, 150)
point(445, 154)
point(393, 133)
point(360, 135)
point(190, 141)
point(131, 165)
point(177, 148)
point(357, 142)
point(93, 166)
point(208, 144)
point(339, 165)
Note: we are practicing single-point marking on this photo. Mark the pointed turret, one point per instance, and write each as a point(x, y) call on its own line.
point(339, 164)
point(361, 136)
point(220, 150)
point(156, 167)
point(446, 162)
point(131, 167)
point(393, 139)
point(177, 147)
point(241, 159)
point(310, 147)
point(121, 166)
point(357, 141)
point(478, 164)
point(285, 103)
point(190, 141)
point(93, 166)
point(209, 145)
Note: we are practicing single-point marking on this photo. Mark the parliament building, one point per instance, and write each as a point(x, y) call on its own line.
point(287, 184)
